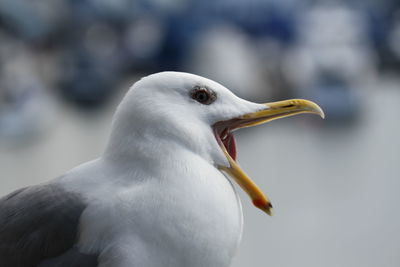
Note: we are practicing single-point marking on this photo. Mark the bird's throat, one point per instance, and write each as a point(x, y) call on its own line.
point(230, 145)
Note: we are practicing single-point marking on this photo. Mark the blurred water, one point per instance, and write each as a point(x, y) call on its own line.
point(333, 183)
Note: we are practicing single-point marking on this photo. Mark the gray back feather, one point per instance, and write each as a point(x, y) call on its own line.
point(40, 223)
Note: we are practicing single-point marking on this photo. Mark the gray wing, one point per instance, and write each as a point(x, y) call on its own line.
point(39, 227)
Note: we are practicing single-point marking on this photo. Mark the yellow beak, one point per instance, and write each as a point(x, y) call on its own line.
point(272, 111)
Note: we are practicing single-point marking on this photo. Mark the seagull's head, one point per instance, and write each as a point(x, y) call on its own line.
point(196, 113)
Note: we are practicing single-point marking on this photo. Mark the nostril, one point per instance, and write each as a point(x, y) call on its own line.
point(288, 106)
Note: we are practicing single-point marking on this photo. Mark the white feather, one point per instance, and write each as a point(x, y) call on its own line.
point(156, 196)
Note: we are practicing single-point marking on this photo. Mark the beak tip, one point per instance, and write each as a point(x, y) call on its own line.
point(264, 206)
point(321, 113)
point(314, 108)
point(269, 211)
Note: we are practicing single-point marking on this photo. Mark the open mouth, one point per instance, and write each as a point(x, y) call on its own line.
point(223, 133)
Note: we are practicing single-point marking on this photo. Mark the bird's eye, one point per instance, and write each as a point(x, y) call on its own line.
point(203, 95)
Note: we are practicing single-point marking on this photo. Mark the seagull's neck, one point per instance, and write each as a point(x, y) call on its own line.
point(144, 148)
point(135, 142)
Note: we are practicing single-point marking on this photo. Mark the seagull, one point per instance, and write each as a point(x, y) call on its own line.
point(159, 195)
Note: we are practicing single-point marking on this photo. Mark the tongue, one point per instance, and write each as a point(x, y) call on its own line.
point(230, 145)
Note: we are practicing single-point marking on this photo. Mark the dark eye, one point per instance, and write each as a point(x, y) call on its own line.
point(203, 95)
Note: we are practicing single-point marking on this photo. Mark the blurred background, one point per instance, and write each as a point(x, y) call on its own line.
point(65, 65)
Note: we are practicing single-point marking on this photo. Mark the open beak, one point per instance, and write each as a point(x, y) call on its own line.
point(223, 132)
